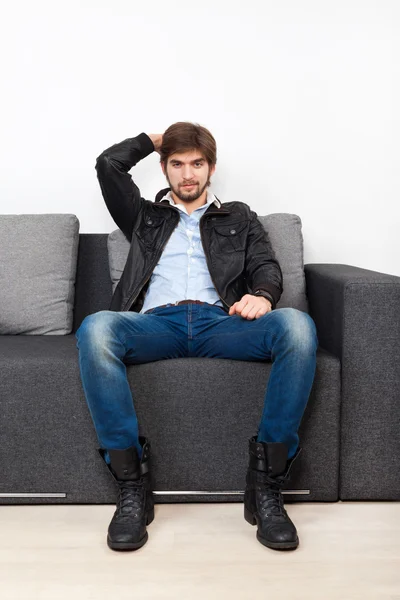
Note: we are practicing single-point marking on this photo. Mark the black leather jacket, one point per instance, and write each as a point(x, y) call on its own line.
point(237, 249)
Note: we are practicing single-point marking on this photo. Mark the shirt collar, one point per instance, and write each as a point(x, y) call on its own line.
point(210, 199)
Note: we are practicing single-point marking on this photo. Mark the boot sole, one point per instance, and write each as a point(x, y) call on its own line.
point(250, 518)
point(132, 545)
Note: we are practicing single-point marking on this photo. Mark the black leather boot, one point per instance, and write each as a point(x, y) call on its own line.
point(135, 502)
point(263, 501)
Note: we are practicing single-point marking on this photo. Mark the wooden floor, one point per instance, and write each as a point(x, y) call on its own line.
point(348, 551)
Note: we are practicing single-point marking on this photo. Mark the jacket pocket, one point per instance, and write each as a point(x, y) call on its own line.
point(149, 230)
point(231, 238)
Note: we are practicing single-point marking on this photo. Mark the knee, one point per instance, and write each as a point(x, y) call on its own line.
point(299, 329)
point(95, 327)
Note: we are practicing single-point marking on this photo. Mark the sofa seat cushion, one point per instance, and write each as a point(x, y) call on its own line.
point(49, 442)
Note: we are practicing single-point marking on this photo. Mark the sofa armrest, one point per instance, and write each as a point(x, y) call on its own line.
point(357, 314)
point(346, 300)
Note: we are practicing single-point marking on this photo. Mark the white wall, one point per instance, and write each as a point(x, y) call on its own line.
point(301, 97)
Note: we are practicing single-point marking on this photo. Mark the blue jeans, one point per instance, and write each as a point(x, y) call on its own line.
point(109, 340)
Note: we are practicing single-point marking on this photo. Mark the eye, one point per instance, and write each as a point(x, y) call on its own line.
point(197, 163)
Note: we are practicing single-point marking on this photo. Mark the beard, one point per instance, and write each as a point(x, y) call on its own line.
point(188, 196)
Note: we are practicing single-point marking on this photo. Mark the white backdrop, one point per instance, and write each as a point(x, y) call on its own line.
point(301, 97)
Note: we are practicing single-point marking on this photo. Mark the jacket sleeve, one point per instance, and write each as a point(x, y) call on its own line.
point(262, 270)
point(120, 193)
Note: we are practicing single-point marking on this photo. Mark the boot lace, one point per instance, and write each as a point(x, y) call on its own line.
point(269, 494)
point(130, 498)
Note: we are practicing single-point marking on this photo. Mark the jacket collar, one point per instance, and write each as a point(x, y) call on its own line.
point(163, 197)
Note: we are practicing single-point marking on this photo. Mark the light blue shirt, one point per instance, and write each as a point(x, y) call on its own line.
point(182, 272)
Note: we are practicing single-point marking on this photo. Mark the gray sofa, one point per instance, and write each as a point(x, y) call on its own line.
point(199, 425)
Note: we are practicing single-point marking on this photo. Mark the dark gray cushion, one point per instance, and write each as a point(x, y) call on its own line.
point(49, 443)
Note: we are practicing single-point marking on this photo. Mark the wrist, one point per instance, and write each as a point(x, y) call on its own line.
point(266, 300)
point(156, 138)
point(265, 295)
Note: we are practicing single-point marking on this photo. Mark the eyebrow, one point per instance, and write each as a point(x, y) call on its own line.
point(193, 161)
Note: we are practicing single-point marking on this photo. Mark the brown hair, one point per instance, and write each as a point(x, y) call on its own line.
point(184, 137)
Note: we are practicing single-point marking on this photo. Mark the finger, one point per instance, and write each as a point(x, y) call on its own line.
point(248, 308)
point(251, 313)
point(245, 300)
point(232, 309)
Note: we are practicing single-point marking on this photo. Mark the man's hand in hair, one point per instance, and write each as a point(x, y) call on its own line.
point(157, 139)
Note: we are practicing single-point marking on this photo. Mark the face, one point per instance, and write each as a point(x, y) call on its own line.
point(188, 168)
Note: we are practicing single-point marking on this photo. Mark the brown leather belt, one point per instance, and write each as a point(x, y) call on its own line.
point(181, 302)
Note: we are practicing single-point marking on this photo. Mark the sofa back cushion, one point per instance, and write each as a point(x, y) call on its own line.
point(37, 273)
point(285, 234)
point(284, 231)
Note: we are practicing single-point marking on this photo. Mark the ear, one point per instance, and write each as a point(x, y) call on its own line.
point(162, 166)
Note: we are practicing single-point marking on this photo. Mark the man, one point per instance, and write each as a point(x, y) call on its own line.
point(201, 279)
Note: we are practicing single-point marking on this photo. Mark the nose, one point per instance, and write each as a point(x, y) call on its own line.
point(187, 173)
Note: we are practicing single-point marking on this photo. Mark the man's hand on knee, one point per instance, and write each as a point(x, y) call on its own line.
point(251, 307)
